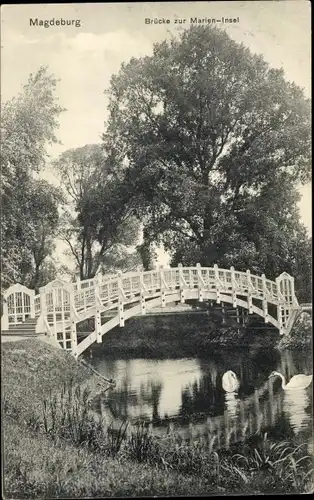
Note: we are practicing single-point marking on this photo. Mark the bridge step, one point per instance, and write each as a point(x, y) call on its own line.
point(9, 333)
point(23, 326)
point(28, 327)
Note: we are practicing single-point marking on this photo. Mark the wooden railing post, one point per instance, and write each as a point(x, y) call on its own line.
point(5, 315)
point(181, 281)
point(233, 287)
point(41, 326)
point(32, 303)
point(163, 287)
point(217, 283)
point(120, 300)
point(200, 282)
point(142, 289)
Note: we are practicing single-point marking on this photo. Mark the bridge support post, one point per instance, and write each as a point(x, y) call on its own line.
point(143, 305)
point(98, 327)
point(265, 303)
point(279, 319)
point(41, 325)
point(163, 298)
point(200, 283)
point(121, 312)
point(73, 318)
point(249, 290)
point(97, 313)
point(265, 310)
point(5, 315)
point(182, 284)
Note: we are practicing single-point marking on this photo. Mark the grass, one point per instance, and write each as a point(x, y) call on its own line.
point(36, 467)
point(55, 445)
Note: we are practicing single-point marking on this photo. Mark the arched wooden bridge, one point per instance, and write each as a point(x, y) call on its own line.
point(60, 306)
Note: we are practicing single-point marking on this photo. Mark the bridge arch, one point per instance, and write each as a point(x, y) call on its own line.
point(155, 302)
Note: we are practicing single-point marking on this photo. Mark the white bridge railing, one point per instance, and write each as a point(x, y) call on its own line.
point(60, 306)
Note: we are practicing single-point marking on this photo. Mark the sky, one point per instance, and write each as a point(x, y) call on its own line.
point(86, 54)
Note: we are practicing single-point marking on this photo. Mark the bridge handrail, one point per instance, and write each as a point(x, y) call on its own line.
point(130, 282)
point(223, 275)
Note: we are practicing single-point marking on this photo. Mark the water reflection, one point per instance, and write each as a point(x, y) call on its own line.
point(232, 404)
point(295, 405)
point(188, 394)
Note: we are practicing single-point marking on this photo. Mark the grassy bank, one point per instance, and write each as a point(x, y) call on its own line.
point(177, 336)
point(55, 446)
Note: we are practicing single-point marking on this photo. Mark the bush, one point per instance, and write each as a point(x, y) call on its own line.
point(300, 336)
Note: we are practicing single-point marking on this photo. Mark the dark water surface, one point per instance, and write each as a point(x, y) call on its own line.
point(187, 395)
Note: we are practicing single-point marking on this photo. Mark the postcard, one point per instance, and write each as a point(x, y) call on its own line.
point(156, 250)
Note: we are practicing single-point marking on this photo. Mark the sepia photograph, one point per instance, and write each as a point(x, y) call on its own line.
point(156, 249)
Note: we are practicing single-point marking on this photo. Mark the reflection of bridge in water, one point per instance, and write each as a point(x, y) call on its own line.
point(189, 390)
point(241, 419)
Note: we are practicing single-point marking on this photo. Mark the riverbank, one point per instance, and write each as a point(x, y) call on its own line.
point(178, 336)
point(54, 447)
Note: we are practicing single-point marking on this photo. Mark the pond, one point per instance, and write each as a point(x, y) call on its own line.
point(186, 395)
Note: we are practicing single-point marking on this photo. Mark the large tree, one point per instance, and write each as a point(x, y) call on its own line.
point(28, 123)
point(98, 226)
point(216, 142)
point(43, 216)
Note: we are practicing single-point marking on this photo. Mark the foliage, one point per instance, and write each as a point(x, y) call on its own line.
point(215, 141)
point(29, 206)
point(300, 336)
point(99, 228)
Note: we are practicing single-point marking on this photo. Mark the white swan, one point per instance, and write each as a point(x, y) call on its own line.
point(297, 382)
point(230, 382)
